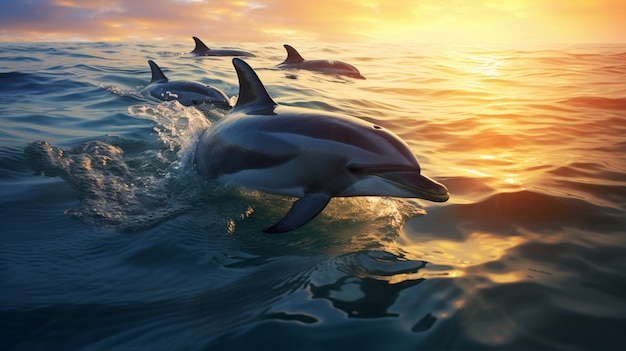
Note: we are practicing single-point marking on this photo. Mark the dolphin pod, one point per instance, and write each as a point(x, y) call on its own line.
point(293, 61)
point(186, 92)
point(304, 153)
point(309, 154)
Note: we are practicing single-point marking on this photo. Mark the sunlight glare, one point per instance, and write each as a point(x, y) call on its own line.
point(485, 65)
point(460, 255)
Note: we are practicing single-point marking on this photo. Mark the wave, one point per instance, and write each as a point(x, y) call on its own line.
point(596, 102)
point(511, 213)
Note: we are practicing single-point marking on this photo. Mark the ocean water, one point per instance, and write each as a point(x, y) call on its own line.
point(110, 241)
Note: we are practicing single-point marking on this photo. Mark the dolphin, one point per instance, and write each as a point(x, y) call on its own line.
point(202, 50)
point(295, 60)
point(306, 153)
point(186, 92)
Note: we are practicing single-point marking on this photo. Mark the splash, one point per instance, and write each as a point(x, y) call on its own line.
point(178, 127)
point(129, 185)
point(111, 193)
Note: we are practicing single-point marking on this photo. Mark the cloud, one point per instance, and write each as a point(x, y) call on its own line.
point(319, 20)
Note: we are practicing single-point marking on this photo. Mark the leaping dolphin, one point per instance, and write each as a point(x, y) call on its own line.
point(295, 60)
point(306, 153)
point(186, 92)
point(202, 50)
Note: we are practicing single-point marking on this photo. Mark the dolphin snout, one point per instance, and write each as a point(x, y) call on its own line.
point(422, 186)
point(437, 191)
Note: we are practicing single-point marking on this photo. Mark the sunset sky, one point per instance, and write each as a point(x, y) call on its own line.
point(455, 21)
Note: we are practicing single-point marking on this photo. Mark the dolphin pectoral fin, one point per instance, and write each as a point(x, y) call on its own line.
point(302, 211)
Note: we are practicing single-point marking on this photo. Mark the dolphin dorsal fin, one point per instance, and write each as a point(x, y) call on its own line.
point(292, 55)
point(157, 74)
point(251, 89)
point(200, 46)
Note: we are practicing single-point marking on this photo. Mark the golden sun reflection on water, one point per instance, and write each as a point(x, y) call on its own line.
point(453, 257)
point(486, 65)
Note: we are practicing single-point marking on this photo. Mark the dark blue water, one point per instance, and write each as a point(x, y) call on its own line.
point(110, 241)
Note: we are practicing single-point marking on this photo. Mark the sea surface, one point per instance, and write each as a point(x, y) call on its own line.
point(110, 241)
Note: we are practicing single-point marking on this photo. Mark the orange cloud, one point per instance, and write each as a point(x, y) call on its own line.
point(464, 21)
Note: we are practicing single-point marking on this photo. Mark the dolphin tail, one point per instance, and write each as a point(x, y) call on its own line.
point(251, 89)
point(157, 74)
point(200, 46)
point(292, 55)
point(302, 211)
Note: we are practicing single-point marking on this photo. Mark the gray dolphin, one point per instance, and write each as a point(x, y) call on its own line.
point(186, 92)
point(295, 60)
point(306, 153)
point(202, 50)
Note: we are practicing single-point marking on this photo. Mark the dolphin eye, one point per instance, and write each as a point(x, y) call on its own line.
point(353, 169)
